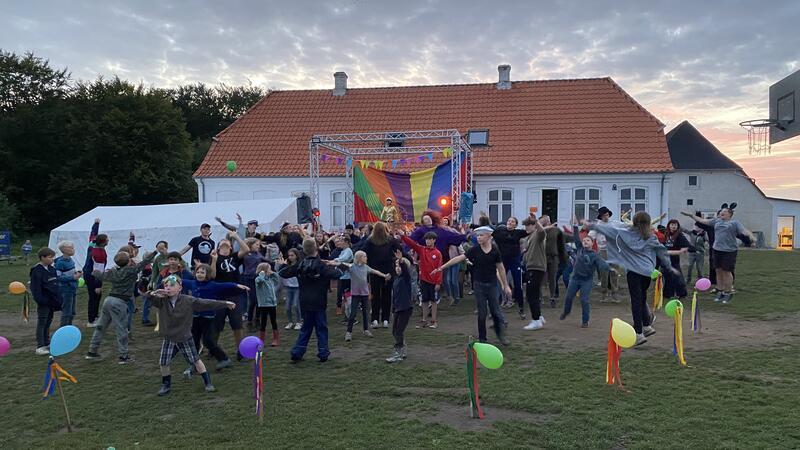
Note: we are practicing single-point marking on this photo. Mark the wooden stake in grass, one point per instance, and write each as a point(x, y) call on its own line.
point(64, 402)
point(52, 380)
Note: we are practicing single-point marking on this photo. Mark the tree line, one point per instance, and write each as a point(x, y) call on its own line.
point(67, 146)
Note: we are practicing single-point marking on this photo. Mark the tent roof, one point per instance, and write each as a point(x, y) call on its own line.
point(177, 215)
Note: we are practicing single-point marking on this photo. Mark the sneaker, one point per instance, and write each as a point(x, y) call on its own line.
point(125, 360)
point(533, 325)
point(396, 357)
point(541, 319)
point(649, 331)
point(374, 324)
point(89, 355)
point(640, 339)
point(552, 302)
point(433, 325)
point(719, 296)
point(165, 388)
point(471, 292)
point(41, 351)
point(522, 316)
point(422, 324)
point(224, 364)
point(210, 388)
point(188, 373)
point(367, 333)
point(348, 336)
point(614, 298)
point(562, 316)
point(726, 298)
point(289, 326)
point(298, 325)
point(403, 352)
point(604, 299)
point(585, 325)
point(385, 324)
point(92, 324)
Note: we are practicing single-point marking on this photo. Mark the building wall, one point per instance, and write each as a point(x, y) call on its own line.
point(526, 191)
point(714, 188)
point(786, 208)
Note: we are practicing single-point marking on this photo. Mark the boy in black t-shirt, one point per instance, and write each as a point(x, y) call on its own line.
point(200, 246)
point(487, 268)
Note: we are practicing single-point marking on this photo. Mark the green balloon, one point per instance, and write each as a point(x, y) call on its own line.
point(231, 166)
point(672, 306)
point(81, 282)
point(655, 274)
point(488, 355)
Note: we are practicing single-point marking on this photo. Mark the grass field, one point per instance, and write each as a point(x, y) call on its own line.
point(740, 390)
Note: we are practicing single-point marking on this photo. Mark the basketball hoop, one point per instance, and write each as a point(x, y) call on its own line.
point(758, 134)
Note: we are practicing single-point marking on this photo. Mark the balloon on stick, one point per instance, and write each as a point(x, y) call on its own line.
point(672, 306)
point(703, 284)
point(4, 346)
point(16, 288)
point(249, 346)
point(488, 355)
point(65, 340)
point(623, 333)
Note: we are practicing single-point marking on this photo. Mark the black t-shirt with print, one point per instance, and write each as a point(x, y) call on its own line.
point(201, 249)
point(676, 242)
point(484, 265)
point(228, 268)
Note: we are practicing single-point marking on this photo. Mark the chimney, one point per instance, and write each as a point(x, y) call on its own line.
point(340, 84)
point(504, 71)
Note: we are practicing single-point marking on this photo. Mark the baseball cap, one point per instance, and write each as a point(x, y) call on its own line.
point(484, 230)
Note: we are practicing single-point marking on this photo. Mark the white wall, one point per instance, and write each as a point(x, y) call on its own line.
point(526, 191)
point(753, 210)
point(785, 208)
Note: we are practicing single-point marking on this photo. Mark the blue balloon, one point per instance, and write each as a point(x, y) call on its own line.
point(65, 340)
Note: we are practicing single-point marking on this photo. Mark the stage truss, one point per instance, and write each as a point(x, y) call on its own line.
point(355, 146)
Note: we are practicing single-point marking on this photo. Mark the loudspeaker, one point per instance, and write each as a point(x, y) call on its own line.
point(304, 210)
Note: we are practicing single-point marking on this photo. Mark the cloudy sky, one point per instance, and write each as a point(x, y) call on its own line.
point(707, 62)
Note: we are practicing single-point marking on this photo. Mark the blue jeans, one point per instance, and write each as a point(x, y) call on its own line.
point(452, 284)
point(292, 303)
point(318, 321)
point(514, 266)
point(487, 296)
point(67, 307)
point(131, 311)
point(585, 288)
point(146, 309)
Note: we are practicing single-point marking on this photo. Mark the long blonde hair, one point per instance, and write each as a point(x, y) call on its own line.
point(380, 234)
point(641, 224)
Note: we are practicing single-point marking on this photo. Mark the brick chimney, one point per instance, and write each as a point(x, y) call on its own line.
point(504, 72)
point(340, 83)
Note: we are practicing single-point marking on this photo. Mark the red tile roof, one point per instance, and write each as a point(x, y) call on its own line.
point(536, 127)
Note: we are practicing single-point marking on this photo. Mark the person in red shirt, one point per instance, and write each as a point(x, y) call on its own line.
point(430, 258)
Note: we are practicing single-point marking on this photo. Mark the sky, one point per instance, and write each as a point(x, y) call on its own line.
point(708, 62)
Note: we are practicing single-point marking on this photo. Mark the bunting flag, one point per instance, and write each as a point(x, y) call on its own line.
point(54, 374)
point(258, 382)
point(26, 307)
point(658, 293)
point(472, 382)
point(412, 193)
point(612, 361)
point(695, 314)
point(677, 335)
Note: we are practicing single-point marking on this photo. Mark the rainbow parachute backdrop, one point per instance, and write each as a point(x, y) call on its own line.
point(412, 193)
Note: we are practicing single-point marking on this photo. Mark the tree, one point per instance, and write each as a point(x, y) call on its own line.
point(28, 79)
point(10, 218)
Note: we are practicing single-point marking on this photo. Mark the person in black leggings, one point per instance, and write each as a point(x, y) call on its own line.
point(380, 247)
point(508, 239)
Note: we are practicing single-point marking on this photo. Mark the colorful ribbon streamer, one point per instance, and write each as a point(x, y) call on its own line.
point(612, 362)
point(26, 307)
point(677, 336)
point(658, 293)
point(695, 314)
point(472, 382)
point(54, 373)
point(258, 382)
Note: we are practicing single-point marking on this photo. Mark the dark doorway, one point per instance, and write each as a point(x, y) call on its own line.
point(550, 204)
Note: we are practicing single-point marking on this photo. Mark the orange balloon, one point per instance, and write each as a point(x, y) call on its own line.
point(16, 288)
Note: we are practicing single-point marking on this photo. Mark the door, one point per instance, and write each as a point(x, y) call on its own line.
point(550, 204)
point(786, 232)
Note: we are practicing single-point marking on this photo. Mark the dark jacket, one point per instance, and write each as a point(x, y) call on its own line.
point(508, 241)
point(44, 286)
point(381, 256)
point(401, 289)
point(554, 244)
point(175, 323)
point(314, 278)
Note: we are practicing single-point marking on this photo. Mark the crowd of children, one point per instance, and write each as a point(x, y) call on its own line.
point(381, 271)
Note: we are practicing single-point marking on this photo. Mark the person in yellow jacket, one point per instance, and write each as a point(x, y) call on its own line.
point(389, 213)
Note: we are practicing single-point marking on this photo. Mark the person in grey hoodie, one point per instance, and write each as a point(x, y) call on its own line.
point(636, 248)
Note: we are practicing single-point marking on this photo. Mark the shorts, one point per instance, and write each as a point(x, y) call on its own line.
point(169, 349)
point(725, 260)
point(234, 315)
point(428, 292)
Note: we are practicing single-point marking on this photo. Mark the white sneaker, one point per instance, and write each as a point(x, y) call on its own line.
point(366, 333)
point(648, 331)
point(640, 339)
point(533, 325)
point(541, 319)
point(91, 324)
point(289, 326)
point(298, 325)
point(41, 351)
point(348, 337)
point(385, 324)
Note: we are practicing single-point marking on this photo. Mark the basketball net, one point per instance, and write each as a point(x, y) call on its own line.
point(758, 136)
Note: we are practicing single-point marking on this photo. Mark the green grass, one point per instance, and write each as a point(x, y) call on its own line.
point(741, 397)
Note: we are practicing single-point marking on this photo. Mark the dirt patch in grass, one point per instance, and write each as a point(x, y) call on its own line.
point(456, 416)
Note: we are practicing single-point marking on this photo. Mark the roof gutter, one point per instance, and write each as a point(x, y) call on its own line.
point(201, 197)
point(661, 199)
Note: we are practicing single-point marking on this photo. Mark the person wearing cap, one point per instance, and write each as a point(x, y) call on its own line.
point(201, 246)
point(488, 268)
point(349, 231)
point(389, 213)
point(609, 284)
point(96, 259)
point(290, 236)
point(244, 233)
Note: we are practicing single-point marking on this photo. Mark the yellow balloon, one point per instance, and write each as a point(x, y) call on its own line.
point(16, 288)
point(622, 333)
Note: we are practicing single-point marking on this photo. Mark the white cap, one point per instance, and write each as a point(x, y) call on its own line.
point(484, 230)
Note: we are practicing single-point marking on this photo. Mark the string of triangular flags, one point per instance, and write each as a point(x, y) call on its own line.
point(381, 164)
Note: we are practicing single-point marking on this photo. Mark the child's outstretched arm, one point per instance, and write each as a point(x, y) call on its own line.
point(202, 304)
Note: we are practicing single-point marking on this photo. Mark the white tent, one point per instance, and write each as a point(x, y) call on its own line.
point(176, 223)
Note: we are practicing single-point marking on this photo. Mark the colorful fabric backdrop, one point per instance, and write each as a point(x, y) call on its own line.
point(412, 193)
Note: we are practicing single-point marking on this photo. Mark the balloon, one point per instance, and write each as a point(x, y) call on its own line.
point(623, 333)
point(655, 274)
point(249, 346)
point(4, 346)
point(15, 287)
point(672, 306)
point(231, 166)
point(65, 340)
point(703, 284)
point(81, 282)
point(488, 355)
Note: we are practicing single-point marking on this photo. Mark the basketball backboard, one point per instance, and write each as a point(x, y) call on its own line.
point(784, 105)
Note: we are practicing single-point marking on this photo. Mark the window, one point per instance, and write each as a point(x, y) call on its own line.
point(689, 201)
point(500, 205)
point(586, 203)
point(337, 209)
point(478, 137)
point(395, 139)
point(632, 199)
point(693, 181)
point(786, 108)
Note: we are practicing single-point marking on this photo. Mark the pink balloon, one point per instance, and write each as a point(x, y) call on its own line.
point(703, 284)
point(4, 346)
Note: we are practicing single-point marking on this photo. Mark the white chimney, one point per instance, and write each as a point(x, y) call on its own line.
point(340, 83)
point(504, 71)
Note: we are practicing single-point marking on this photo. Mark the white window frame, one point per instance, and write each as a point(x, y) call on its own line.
point(633, 203)
point(341, 205)
point(690, 186)
point(499, 204)
point(586, 202)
